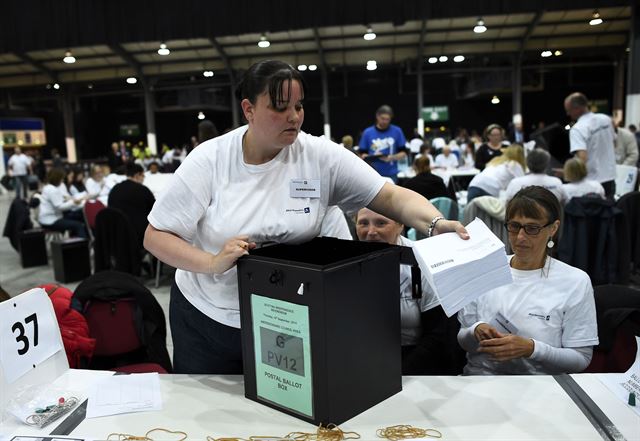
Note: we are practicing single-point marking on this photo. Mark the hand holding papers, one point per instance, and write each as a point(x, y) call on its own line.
point(458, 270)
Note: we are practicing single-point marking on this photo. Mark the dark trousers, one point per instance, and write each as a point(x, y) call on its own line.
point(609, 189)
point(76, 228)
point(200, 344)
point(474, 192)
point(21, 185)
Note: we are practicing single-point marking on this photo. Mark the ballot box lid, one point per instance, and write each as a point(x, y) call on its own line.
point(322, 252)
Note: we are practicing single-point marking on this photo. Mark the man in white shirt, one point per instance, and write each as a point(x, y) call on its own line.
point(20, 168)
point(537, 163)
point(592, 139)
point(626, 147)
point(446, 159)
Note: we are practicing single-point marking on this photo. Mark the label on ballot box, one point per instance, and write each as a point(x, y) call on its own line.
point(283, 353)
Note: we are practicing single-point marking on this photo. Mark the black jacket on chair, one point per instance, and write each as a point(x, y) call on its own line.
point(17, 221)
point(117, 246)
point(630, 206)
point(114, 285)
point(595, 239)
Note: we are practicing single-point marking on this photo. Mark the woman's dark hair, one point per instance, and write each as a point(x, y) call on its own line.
point(55, 176)
point(535, 202)
point(268, 76)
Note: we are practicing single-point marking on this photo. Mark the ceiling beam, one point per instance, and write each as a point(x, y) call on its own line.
point(225, 60)
point(53, 76)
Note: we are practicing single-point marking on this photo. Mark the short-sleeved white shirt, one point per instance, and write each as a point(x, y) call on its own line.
point(495, 178)
point(583, 188)
point(558, 310)
point(450, 161)
point(551, 183)
point(594, 133)
point(19, 164)
point(214, 195)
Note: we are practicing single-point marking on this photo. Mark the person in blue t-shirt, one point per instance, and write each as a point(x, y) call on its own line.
point(386, 141)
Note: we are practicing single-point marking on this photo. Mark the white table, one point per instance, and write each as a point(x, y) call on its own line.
point(462, 408)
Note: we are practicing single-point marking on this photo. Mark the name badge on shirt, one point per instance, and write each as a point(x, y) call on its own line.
point(503, 325)
point(304, 188)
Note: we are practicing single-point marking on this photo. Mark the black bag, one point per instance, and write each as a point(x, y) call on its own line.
point(7, 182)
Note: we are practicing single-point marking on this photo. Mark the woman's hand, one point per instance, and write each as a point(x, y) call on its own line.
point(485, 331)
point(445, 226)
point(507, 347)
point(232, 250)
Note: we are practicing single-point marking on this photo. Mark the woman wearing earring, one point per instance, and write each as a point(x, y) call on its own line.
point(545, 321)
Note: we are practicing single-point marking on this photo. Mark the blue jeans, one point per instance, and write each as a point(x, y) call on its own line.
point(76, 228)
point(474, 192)
point(200, 344)
point(21, 185)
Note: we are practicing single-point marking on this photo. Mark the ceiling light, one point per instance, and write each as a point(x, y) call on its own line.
point(443, 58)
point(480, 27)
point(56, 86)
point(458, 58)
point(312, 67)
point(545, 54)
point(369, 35)
point(557, 53)
point(163, 49)
point(68, 58)
point(372, 65)
point(89, 86)
point(495, 100)
point(207, 73)
point(595, 19)
point(302, 67)
point(132, 80)
point(200, 115)
point(567, 127)
point(263, 41)
point(433, 60)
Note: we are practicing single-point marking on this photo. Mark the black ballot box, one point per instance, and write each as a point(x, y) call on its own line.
point(71, 260)
point(321, 326)
point(33, 248)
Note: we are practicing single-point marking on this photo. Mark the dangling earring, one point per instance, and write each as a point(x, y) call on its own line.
point(551, 243)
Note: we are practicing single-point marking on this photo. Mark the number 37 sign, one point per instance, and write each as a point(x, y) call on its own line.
point(29, 333)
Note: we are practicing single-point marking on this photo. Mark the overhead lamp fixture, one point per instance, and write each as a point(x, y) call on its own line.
point(369, 35)
point(302, 67)
point(545, 54)
point(595, 19)
point(479, 28)
point(557, 53)
point(372, 65)
point(132, 80)
point(89, 86)
point(68, 58)
point(263, 41)
point(443, 58)
point(495, 100)
point(458, 59)
point(200, 115)
point(567, 127)
point(56, 86)
point(313, 67)
point(432, 60)
point(164, 50)
point(207, 73)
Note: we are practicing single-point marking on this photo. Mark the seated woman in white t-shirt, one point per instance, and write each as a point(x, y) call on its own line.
point(537, 162)
point(498, 173)
point(575, 173)
point(53, 205)
point(427, 335)
point(96, 185)
point(545, 321)
point(446, 159)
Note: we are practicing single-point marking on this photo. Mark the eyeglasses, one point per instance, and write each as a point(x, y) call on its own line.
point(530, 229)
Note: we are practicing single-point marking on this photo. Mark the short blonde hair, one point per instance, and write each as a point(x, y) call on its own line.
point(347, 141)
point(515, 152)
point(574, 170)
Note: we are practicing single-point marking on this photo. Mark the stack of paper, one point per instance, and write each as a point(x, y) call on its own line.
point(124, 394)
point(458, 270)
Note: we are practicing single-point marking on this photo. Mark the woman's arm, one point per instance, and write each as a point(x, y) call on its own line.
point(562, 360)
point(413, 210)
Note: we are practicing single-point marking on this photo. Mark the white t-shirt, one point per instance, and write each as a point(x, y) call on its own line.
point(594, 133)
point(215, 195)
point(52, 204)
point(410, 308)
point(19, 164)
point(495, 178)
point(582, 188)
point(551, 183)
point(558, 310)
point(415, 144)
point(335, 225)
point(450, 161)
point(98, 190)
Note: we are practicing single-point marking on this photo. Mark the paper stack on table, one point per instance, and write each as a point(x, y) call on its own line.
point(124, 394)
point(458, 270)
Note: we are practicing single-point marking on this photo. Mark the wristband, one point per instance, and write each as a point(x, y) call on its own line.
point(432, 225)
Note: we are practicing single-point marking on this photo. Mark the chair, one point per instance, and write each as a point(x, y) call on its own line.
point(618, 312)
point(90, 211)
point(127, 322)
point(448, 207)
point(630, 206)
point(116, 243)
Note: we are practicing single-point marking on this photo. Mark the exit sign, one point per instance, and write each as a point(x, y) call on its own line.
point(435, 113)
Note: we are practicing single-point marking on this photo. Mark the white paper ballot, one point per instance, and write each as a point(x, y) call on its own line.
point(460, 270)
point(123, 394)
point(623, 384)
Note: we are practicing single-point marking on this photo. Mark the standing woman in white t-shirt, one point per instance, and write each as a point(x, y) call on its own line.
point(545, 321)
point(264, 182)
